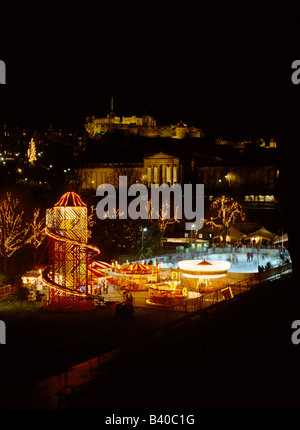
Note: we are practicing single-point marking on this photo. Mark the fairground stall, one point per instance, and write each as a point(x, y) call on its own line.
point(101, 272)
point(33, 282)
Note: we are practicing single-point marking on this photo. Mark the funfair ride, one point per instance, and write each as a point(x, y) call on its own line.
point(69, 274)
point(203, 272)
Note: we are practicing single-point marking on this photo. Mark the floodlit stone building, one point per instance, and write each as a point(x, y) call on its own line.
point(138, 126)
point(254, 184)
point(244, 168)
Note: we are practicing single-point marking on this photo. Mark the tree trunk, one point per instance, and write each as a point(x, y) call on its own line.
point(225, 234)
point(5, 261)
point(34, 257)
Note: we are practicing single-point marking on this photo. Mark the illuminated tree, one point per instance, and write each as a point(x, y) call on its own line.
point(92, 218)
point(13, 229)
point(31, 152)
point(36, 231)
point(163, 216)
point(225, 212)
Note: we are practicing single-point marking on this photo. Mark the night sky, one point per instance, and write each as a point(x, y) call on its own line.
point(229, 92)
point(219, 84)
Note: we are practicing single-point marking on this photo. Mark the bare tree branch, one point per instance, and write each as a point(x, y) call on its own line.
point(13, 230)
point(227, 212)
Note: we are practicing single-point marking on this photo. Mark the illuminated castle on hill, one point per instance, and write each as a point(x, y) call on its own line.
point(137, 126)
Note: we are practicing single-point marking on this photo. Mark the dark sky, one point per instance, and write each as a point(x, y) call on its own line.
point(226, 92)
point(225, 75)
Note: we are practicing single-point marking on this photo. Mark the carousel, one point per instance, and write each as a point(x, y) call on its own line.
point(135, 277)
point(166, 294)
point(202, 275)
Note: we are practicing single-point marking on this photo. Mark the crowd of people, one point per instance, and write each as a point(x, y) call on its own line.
point(233, 259)
point(264, 268)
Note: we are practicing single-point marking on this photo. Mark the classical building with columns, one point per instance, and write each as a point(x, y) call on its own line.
point(162, 168)
point(157, 168)
point(215, 173)
point(93, 175)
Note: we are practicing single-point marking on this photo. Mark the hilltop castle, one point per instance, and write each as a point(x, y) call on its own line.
point(137, 126)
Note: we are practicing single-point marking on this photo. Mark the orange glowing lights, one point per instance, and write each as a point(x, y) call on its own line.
point(203, 268)
point(70, 199)
point(69, 275)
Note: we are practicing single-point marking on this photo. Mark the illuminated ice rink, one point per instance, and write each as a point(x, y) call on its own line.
point(240, 263)
point(239, 260)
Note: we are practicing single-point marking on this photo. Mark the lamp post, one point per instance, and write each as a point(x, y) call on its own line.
point(193, 226)
point(143, 230)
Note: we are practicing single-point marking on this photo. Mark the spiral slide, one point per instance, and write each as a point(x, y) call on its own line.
point(69, 274)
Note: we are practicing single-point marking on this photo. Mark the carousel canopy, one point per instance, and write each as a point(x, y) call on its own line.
point(137, 269)
point(98, 273)
point(101, 265)
point(203, 268)
point(70, 199)
point(262, 233)
point(98, 268)
point(204, 263)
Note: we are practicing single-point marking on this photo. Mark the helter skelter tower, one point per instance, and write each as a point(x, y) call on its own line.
point(69, 275)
